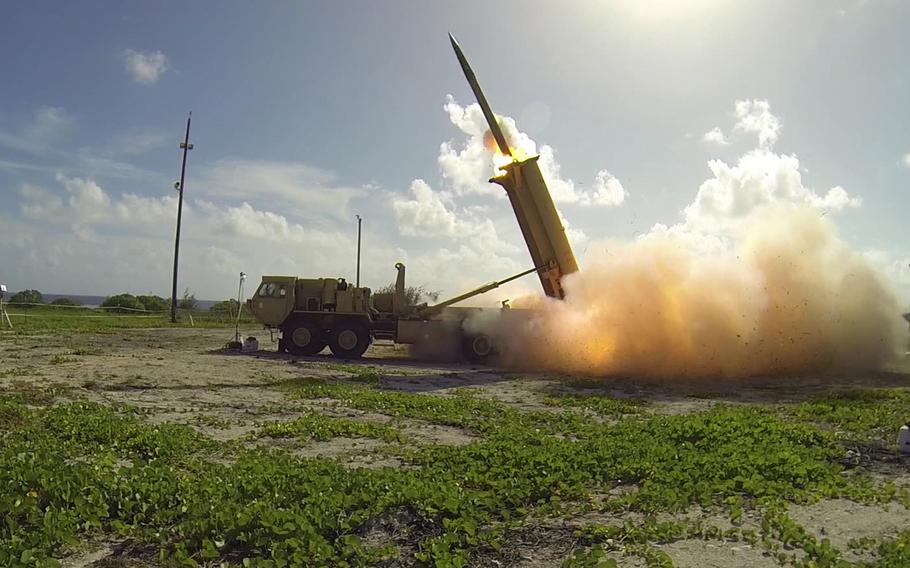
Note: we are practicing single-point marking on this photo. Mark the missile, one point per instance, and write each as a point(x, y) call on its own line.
point(481, 100)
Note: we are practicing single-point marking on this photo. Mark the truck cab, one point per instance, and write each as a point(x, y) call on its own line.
point(273, 300)
point(311, 313)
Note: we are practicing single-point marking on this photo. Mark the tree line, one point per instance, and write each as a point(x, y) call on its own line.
point(124, 303)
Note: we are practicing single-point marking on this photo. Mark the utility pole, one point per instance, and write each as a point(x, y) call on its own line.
point(186, 146)
point(359, 221)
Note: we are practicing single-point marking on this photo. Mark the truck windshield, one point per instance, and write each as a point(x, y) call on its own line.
point(271, 290)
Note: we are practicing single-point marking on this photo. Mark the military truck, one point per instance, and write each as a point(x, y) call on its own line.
point(310, 313)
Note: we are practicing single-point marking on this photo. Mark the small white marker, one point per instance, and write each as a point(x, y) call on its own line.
point(903, 439)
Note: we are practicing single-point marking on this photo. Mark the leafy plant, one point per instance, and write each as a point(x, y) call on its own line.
point(123, 303)
point(27, 297)
point(227, 307)
point(188, 301)
point(65, 302)
point(154, 303)
point(413, 295)
point(321, 427)
point(858, 413)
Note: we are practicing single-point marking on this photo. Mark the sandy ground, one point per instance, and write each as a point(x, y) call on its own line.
point(181, 375)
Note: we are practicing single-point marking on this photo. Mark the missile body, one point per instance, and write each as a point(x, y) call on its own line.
point(537, 216)
point(481, 99)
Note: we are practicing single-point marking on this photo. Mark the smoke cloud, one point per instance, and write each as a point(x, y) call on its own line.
point(753, 280)
point(788, 297)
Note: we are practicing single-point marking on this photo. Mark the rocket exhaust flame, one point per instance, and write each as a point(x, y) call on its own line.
point(789, 298)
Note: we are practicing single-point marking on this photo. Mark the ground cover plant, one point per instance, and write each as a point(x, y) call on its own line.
point(43, 319)
point(615, 478)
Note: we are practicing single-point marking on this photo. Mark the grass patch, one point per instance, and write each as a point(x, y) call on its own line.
point(61, 359)
point(42, 319)
point(72, 470)
point(212, 421)
point(858, 414)
point(601, 404)
point(321, 427)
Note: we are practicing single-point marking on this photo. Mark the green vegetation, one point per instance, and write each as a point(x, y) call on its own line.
point(226, 312)
point(604, 405)
point(66, 302)
point(60, 359)
point(188, 301)
point(75, 469)
point(859, 414)
point(123, 303)
point(153, 303)
point(27, 297)
point(321, 427)
point(413, 295)
point(226, 307)
point(43, 319)
point(72, 472)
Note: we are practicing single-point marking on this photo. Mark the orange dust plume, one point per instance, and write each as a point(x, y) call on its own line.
point(788, 297)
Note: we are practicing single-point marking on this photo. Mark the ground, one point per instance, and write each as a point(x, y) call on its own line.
point(156, 447)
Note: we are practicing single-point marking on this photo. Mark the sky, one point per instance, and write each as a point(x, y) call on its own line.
point(662, 115)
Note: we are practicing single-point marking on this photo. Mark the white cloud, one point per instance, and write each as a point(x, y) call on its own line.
point(102, 242)
point(145, 67)
point(755, 116)
point(461, 267)
point(607, 190)
point(760, 177)
point(138, 142)
point(906, 159)
point(293, 186)
point(47, 125)
point(468, 167)
point(716, 136)
point(433, 214)
point(85, 206)
point(428, 215)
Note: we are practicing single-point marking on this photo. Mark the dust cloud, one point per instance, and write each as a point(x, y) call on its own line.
point(786, 296)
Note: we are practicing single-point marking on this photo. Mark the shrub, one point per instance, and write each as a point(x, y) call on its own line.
point(188, 302)
point(122, 303)
point(154, 303)
point(225, 308)
point(413, 295)
point(66, 302)
point(27, 297)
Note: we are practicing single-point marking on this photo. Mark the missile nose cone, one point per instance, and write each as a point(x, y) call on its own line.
point(456, 47)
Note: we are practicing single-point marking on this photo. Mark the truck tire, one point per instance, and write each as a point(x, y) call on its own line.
point(349, 340)
point(478, 348)
point(304, 338)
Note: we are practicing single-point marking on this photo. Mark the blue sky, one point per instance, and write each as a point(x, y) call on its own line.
point(307, 113)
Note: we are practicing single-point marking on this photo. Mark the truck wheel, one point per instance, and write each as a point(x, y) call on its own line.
point(349, 341)
point(304, 338)
point(478, 348)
